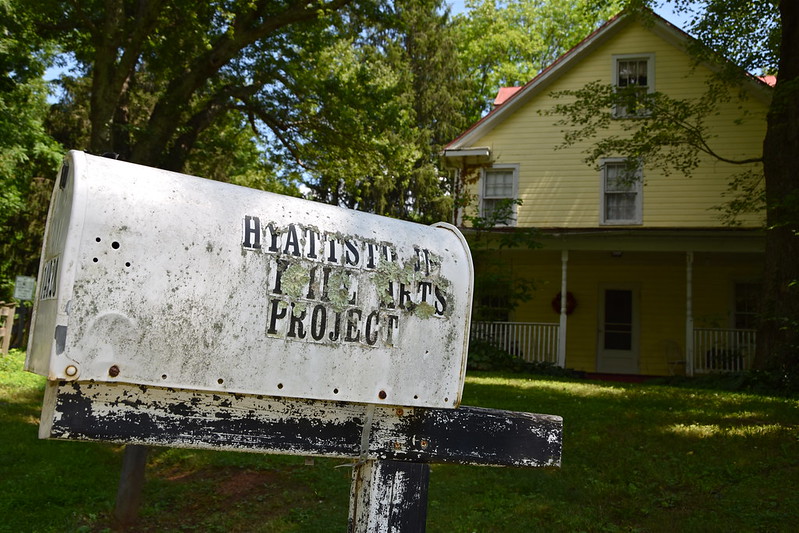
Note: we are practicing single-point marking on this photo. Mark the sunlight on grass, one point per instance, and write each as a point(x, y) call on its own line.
point(636, 457)
point(12, 374)
point(569, 387)
point(715, 430)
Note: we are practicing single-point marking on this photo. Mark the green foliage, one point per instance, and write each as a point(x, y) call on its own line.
point(506, 43)
point(498, 290)
point(746, 34)
point(385, 103)
point(351, 99)
point(28, 156)
point(484, 355)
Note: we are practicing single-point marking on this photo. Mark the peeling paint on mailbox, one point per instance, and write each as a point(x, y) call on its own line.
point(156, 278)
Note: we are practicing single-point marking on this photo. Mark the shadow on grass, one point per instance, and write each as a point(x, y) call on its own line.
point(635, 458)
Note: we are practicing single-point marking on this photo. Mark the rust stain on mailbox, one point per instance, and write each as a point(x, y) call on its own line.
point(156, 278)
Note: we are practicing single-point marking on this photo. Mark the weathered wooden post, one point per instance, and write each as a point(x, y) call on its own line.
point(178, 311)
point(6, 325)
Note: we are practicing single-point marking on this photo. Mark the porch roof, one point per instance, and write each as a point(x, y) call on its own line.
point(741, 240)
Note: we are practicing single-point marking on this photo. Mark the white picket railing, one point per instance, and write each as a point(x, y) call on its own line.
point(723, 350)
point(532, 341)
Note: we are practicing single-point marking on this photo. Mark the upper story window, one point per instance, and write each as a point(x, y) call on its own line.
point(634, 76)
point(499, 191)
point(621, 193)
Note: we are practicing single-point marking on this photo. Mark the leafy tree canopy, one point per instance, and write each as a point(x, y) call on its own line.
point(506, 43)
point(28, 156)
point(347, 100)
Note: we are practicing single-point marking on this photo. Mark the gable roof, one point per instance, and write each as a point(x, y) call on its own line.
point(509, 99)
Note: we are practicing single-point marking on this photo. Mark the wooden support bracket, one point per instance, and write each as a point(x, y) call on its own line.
point(390, 446)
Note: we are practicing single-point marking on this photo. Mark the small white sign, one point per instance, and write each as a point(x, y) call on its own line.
point(23, 287)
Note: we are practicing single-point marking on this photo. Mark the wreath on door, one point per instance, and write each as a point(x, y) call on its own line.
point(571, 303)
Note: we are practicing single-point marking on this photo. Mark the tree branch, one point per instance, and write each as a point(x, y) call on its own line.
point(245, 31)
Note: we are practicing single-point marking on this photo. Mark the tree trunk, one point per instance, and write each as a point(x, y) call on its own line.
point(778, 338)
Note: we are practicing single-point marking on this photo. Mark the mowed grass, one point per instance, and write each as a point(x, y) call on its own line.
point(636, 457)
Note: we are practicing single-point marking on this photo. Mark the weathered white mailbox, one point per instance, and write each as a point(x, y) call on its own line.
point(155, 278)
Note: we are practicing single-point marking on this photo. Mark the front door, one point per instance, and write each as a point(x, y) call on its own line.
point(618, 331)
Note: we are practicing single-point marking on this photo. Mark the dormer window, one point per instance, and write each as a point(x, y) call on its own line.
point(633, 76)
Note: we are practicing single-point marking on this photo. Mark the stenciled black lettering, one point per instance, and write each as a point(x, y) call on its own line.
point(404, 296)
point(422, 260)
point(349, 285)
point(441, 301)
point(332, 247)
point(325, 282)
point(311, 237)
point(276, 315)
point(370, 255)
point(352, 256)
point(252, 232)
point(353, 332)
point(371, 328)
point(318, 322)
point(296, 329)
point(334, 335)
point(393, 324)
point(274, 238)
point(425, 287)
point(292, 244)
point(282, 265)
point(311, 282)
point(389, 301)
point(388, 253)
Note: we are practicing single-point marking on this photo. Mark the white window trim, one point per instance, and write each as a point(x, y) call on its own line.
point(515, 168)
point(639, 198)
point(650, 76)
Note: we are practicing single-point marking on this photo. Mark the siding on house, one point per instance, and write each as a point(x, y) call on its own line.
point(681, 236)
point(560, 190)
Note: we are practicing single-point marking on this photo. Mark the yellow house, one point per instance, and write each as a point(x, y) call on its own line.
point(640, 278)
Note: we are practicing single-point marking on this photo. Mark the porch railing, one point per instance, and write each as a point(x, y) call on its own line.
point(723, 350)
point(532, 341)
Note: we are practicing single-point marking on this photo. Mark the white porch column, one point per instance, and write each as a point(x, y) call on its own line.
point(564, 262)
point(689, 314)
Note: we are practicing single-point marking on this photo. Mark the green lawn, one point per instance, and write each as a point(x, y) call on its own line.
point(636, 457)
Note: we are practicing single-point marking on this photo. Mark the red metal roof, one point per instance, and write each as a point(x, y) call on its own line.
point(505, 93)
point(769, 80)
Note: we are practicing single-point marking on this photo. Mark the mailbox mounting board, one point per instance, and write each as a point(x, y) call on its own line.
point(156, 278)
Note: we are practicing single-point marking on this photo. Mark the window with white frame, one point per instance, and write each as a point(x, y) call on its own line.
point(633, 76)
point(499, 194)
point(621, 193)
